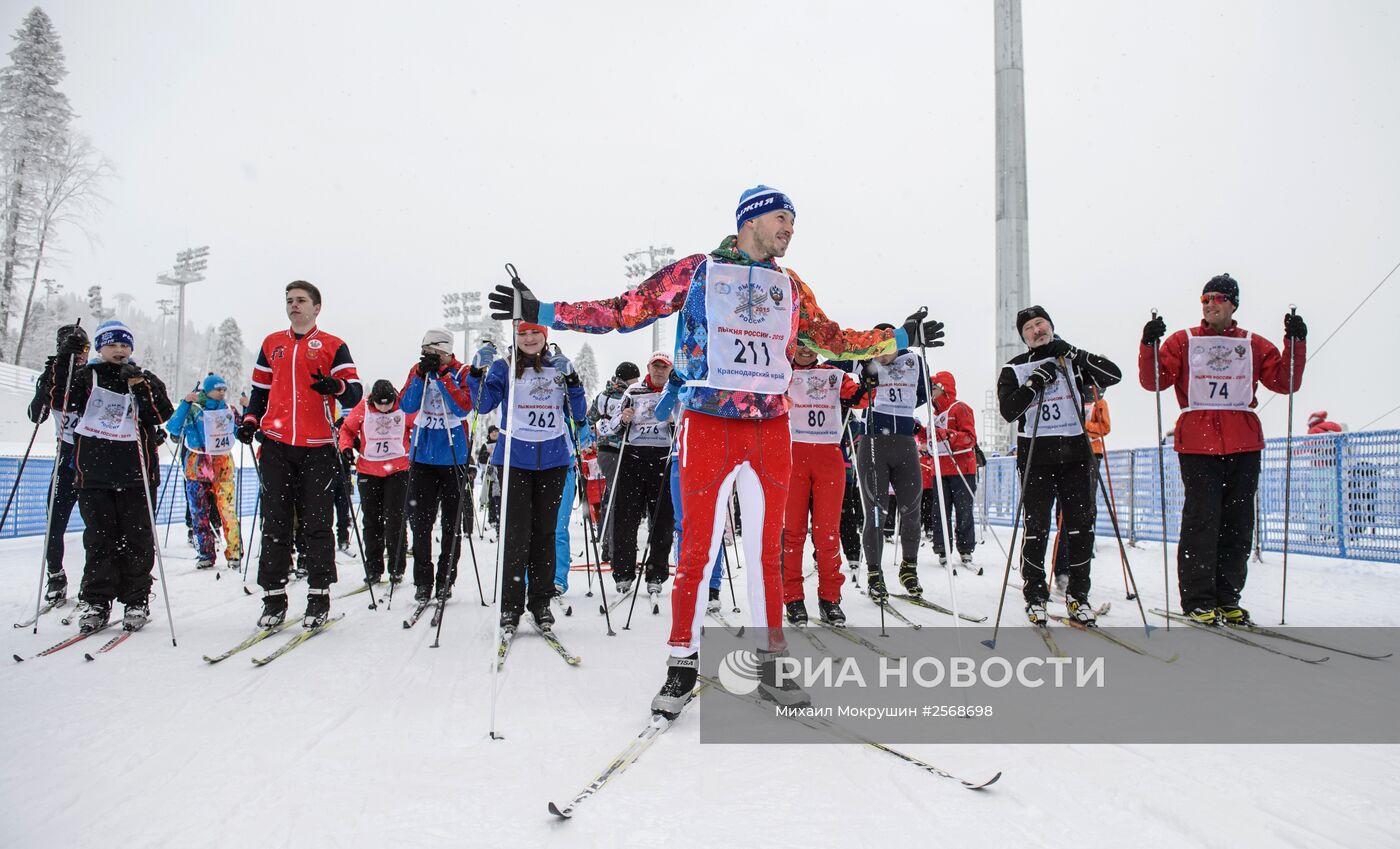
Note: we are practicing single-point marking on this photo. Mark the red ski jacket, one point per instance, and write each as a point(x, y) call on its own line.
point(961, 432)
point(353, 428)
point(1220, 431)
point(282, 402)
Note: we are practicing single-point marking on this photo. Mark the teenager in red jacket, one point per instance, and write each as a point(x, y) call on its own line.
point(380, 430)
point(297, 373)
point(1215, 369)
point(955, 435)
point(820, 397)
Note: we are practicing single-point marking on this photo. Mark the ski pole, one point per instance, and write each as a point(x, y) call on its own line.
point(53, 484)
point(1288, 472)
point(1161, 469)
point(1095, 479)
point(349, 498)
point(663, 493)
point(18, 476)
point(1016, 517)
point(399, 541)
point(508, 425)
point(944, 518)
point(457, 518)
point(151, 513)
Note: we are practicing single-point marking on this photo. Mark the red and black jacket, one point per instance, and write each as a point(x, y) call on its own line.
point(283, 403)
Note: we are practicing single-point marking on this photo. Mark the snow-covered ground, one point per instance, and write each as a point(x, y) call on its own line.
point(367, 737)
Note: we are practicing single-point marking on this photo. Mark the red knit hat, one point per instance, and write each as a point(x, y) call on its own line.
point(525, 325)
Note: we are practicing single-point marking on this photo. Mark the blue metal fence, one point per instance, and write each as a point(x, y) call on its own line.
point(28, 514)
point(1345, 495)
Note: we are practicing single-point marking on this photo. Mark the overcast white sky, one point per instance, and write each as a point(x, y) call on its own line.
point(390, 153)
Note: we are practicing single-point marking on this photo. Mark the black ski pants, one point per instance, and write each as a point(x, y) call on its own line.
point(381, 512)
point(435, 487)
point(957, 506)
point(884, 460)
point(1217, 527)
point(532, 512)
point(65, 496)
point(643, 494)
point(1071, 485)
point(120, 546)
point(851, 519)
point(297, 508)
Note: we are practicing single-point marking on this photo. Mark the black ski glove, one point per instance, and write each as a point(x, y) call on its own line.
point(1294, 327)
point(869, 376)
point(1059, 348)
point(504, 306)
point(1154, 330)
point(72, 343)
point(1043, 376)
point(161, 435)
point(922, 333)
point(349, 455)
point(246, 429)
point(327, 385)
point(429, 363)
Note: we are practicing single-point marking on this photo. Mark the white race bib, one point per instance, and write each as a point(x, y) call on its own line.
point(647, 431)
point(218, 431)
point(434, 415)
point(748, 310)
point(382, 436)
point(1221, 373)
point(65, 423)
point(898, 392)
point(108, 415)
point(816, 405)
point(538, 399)
point(1059, 404)
point(941, 447)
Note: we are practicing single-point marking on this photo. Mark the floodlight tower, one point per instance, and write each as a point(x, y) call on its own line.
point(189, 268)
point(1012, 220)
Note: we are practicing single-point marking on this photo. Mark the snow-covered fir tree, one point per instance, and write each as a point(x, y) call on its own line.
point(229, 359)
point(34, 118)
point(587, 368)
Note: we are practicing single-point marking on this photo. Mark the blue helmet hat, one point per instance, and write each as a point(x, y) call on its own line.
point(761, 200)
point(113, 332)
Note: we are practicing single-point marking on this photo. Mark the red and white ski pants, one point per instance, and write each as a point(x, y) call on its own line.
point(718, 456)
point(818, 479)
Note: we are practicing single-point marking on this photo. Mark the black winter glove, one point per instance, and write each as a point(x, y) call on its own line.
point(1059, 348)
point(161, 435)
point(504, 306)
point(1043, 376)
point(869, 377)
point(923, 333)
point(72, 344)
point(1154, 330)
point(326, 385)
point(428, 364)
point(349, 455)
point(1294, 327)
point(246, 429)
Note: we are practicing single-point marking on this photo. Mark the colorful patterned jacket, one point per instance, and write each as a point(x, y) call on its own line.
point(680, 287)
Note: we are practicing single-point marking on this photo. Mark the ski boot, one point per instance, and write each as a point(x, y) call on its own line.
point(713, 605)
point(653, 588)
point(966, 561)
point(1204, 616)
point(443, 592)
point(189, 536)
point(797, 612)
point(875, 585)
point(510, 620)
point(204, 563)
point(57, 589)
point(422, 594)
point(95, 617)
point(544, 617)
point(136, 617)
point(395, 578)
point(318, 608)
point(831, 613)
point(624, 585)
point(909, 577)
point(681, 674)
point(786, 694)
point(1035, 611)
point(1232, 614)
point(274, 611)
point(1081, 611)
point(298, 570)
point(942, 559)
point(342, 549)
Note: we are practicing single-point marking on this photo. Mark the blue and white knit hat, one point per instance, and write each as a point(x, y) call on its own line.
point(113, 332)
point(761, 200)
point(213, 383)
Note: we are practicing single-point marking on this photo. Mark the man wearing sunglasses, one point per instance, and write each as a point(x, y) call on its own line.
point(1216, 368)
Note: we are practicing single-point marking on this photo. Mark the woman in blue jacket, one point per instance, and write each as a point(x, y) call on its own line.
point(535, 391)
point(205, 422)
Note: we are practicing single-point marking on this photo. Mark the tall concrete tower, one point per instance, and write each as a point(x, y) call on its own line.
point(1013, 229)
